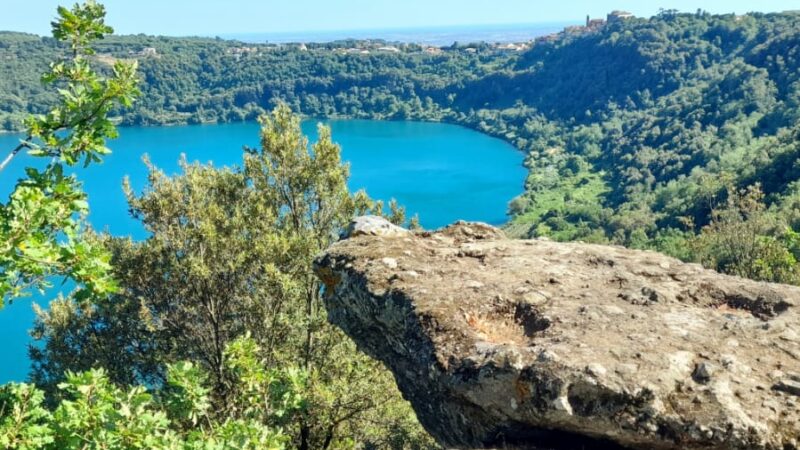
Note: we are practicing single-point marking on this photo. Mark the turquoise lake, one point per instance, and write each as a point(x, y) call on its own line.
point(441, 172)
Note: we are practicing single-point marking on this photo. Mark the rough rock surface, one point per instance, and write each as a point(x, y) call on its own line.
point(374, 226)
point(536, 344)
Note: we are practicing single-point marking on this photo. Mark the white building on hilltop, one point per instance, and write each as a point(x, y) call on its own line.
point(618, 16)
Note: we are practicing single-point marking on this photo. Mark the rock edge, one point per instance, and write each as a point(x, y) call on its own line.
point(536, 344)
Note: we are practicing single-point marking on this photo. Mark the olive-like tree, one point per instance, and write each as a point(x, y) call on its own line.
point(229, 253)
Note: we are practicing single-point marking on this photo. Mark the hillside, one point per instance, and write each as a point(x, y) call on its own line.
point(641, 133)
point(198, 80)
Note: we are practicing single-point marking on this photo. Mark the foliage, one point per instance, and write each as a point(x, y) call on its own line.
point(40, 225)
point(663, 115)
point(197, 80)
point(229, 254)
point(745, 240)
point(96, 414)
point(24, 422)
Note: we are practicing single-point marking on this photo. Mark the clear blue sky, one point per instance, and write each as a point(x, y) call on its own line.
point(211, 17)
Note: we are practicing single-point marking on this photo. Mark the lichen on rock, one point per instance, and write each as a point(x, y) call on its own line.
point(536, 344)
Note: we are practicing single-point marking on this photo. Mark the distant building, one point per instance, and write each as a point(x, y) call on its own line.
point(242, 50)
point(145, 53)
point(618, 16)
point(239, 52)
point(433, 50)
point(512, 47)
point(574, 29)
point(548, 38)
point(594, 24)
point(303, 48)
point(389, 49)
point(148, 51)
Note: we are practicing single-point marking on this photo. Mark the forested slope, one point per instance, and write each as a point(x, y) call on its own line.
point(661, 133)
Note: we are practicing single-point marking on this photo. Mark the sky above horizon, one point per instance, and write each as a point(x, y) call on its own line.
point(217, 17)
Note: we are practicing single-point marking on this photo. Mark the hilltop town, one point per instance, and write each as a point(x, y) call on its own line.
point(592, 25)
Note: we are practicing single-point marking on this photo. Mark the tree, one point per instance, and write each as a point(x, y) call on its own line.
point(744, 239)
point(97, 414)
point(41, 224)
point(229, 254)
point(307, 194)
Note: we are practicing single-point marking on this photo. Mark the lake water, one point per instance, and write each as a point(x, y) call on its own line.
point(441, 172)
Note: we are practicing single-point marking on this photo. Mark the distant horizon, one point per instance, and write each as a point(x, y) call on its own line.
point(184, 18)
point(426, 35)
point(389, 33)
point(232, 35)
point(432, 35)
point(411, 28)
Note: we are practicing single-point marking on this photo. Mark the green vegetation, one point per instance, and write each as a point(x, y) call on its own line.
point(41, 224)
point(197, 80)
point(745, 239)
point(97, 414)
point(211, 333)
point(667, 120)
point(229, 254)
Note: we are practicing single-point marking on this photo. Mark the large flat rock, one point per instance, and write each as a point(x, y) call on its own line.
point(535, 344)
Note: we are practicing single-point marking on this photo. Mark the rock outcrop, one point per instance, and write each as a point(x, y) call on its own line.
point(536, 344)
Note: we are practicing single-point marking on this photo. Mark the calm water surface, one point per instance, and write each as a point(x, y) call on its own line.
point(441, 172)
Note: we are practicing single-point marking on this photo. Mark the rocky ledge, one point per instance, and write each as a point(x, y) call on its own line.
point(536, 344)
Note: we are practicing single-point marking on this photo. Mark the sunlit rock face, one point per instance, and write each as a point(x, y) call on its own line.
point(536, 344)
